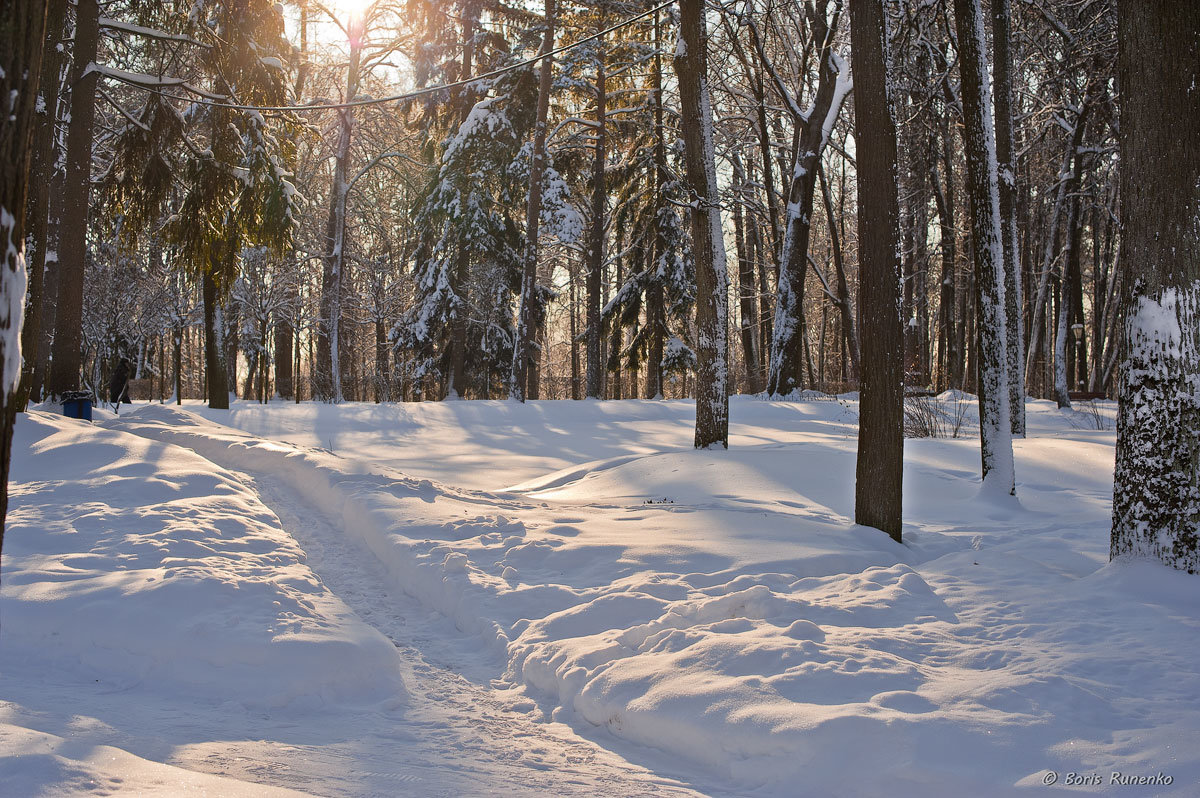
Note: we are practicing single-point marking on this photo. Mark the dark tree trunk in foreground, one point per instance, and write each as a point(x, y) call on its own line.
point(41, 170)
point(22, 29)
point(708, 244)
point(979, 142)
point(1156, 488)
point(525, 349)
point(68, 332)
point(878, 476)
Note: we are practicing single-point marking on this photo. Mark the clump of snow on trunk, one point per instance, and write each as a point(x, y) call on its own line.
point(1156, 509)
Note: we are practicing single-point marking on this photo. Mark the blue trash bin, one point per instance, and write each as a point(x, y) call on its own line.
point(77, 404)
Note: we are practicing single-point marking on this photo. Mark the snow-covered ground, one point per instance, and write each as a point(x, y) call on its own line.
point(565, 598)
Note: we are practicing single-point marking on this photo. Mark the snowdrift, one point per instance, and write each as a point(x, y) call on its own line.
point(144, 566)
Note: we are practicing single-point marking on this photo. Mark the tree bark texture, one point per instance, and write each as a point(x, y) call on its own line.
point(1156, 488)
point(22, 35)
point(72, 256)
point(708, 244)
point(880, 467)
point(329, 334)
point(1002, 69)
point(526, 348)
point(37, 205)
point(788, 340)
point(995, 427)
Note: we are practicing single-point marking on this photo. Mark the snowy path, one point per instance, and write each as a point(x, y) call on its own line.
point(457, 737)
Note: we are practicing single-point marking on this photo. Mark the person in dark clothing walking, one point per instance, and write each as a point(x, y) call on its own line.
point(118, 386)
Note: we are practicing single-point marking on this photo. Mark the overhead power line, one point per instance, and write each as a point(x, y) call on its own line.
point(200, 100)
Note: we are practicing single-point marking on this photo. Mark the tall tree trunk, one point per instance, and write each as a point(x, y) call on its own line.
point(1156, 509)
point(995, 428)
point(37, 205)
point(214, 343)
point(1062, 343)
point(524, 350)
point(68, 333)
point(595, 252)
point(574, 323)
point(330, 336)
point(22, 37)
point(41, 371)
point(748, 311)
point(1073, 294)
point(788, 349)
point(1002, 69)
point(880, 467)
point(383, 377)
point(1064, 194)
point(285, 374)
point(177, 360)
point(843, 286)
point(656, 316)
point(708, 244)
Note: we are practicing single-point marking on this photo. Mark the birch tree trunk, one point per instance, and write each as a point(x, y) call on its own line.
point(1156, 486)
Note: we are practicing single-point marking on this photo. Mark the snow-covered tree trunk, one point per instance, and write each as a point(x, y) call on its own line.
point(22, 29)
point(787, 344)
point(995, 429)
point(1002, 69)
point(524, 347)
point(329, 366)
point(878, 477)
point(1156, 487)
point(72, 255)
point(708, 242)
point(1062, 393)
